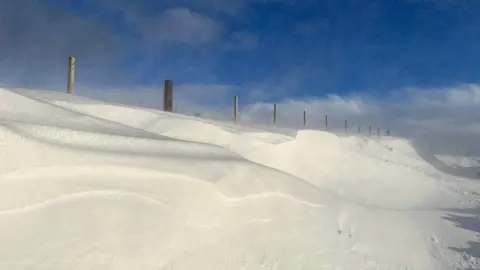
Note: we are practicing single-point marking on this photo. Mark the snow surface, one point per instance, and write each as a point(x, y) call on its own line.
point(90, 185)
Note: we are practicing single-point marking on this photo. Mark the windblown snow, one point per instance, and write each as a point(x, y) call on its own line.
point(90, 185)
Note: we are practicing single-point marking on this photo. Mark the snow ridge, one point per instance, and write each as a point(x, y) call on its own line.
point(90, 185)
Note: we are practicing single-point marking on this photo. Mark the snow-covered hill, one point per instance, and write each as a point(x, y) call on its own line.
point(89, 185)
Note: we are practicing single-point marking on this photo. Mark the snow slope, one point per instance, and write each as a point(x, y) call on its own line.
point(90, 185)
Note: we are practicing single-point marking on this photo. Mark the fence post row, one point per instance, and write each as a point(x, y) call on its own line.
point(71, 75)
point(168, 100)
point(168, 96)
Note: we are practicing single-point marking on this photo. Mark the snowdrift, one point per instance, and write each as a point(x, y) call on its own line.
point(90, 185)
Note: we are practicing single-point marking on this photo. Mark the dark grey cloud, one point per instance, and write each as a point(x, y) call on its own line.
point(36, 39)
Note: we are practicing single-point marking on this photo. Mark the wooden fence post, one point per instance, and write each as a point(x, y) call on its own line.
point(274, 114)
point(326, 121)
point(168, 96)
point(370, 130)
point(235, 108)
point(304, 118)
point(71, 75)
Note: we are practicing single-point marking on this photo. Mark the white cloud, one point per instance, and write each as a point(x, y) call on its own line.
point(242, 41)
point(134, 8)
point(306, 28)
point(464, 95)
point(177, 21)
point(290, 112)
point(230, 7)
point(182, 25)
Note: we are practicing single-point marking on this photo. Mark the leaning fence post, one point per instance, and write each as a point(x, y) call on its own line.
point(71, 75)
point(235, 108)
point(274, 114)
point(168, 96)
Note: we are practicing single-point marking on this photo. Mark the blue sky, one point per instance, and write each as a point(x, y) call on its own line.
point(287, 48)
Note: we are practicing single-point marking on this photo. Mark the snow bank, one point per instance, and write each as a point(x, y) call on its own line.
point(88, 185)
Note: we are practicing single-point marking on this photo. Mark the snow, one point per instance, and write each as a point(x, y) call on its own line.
point(90, 185)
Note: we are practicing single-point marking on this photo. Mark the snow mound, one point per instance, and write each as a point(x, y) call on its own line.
point(90, 185)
